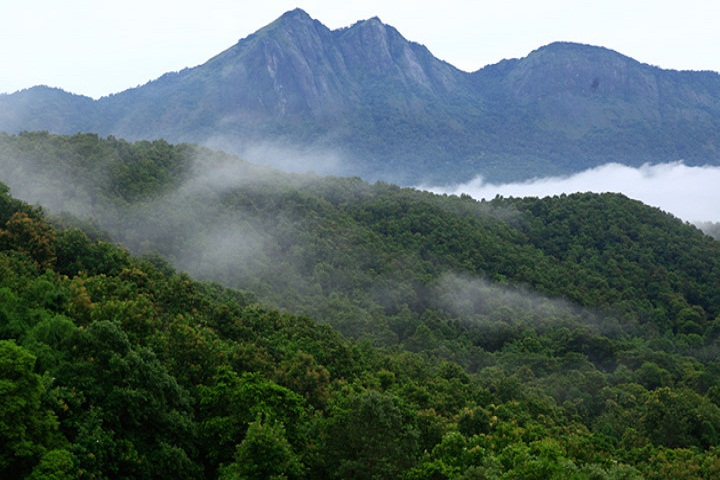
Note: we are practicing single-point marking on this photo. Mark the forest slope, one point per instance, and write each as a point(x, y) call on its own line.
point(116, 366)
point(333, 248)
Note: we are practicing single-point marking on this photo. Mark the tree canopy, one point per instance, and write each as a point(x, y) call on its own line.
point(352, 330)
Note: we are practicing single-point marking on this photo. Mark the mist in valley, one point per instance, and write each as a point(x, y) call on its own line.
point(285, 155)
point(689, 193)
point(479, 301)
point(255, 228)
point(226, 220)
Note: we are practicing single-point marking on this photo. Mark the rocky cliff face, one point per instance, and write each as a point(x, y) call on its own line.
point(294, 71)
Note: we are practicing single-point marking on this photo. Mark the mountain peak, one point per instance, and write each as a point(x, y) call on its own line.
point(575, 50)
point(295, 15)
point(373, 21)
point(375, 24)
point(292, 20)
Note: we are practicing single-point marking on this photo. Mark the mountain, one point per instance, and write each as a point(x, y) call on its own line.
point(383, 107)
point(588, 101)
point(294, 77)
point(46, 108)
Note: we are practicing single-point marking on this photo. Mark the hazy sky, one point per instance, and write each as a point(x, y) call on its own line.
point(98, 47)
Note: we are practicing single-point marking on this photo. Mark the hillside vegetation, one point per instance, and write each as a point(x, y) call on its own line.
point(370, 331)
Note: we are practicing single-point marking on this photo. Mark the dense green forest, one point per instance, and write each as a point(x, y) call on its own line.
point(339, 329)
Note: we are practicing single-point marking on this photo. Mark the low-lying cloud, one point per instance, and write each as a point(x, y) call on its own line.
point(465, 295)
point(479, 300)
point(689, 193)
point(284, 156)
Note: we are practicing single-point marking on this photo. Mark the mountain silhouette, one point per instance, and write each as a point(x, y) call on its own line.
point(389, 110)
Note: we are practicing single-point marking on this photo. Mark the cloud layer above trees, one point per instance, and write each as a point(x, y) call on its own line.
point(690, 193)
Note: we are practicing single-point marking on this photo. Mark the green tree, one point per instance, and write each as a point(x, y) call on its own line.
point(55, 465)
point(27, 429)
point(126, 415)
point(31, 235)
point(264, 453)
point(370, 436)
point(680, 418)
point(230, 404)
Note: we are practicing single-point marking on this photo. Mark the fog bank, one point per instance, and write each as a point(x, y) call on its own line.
point(689, 193)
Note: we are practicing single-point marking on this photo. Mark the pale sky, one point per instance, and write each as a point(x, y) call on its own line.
point(98, 47)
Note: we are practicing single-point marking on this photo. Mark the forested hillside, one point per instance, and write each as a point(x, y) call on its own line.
point(566, 337)
point(356, 255)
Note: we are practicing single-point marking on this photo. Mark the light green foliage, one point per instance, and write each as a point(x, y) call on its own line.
point(264, 453)
point(232, 402)
point(54, 465)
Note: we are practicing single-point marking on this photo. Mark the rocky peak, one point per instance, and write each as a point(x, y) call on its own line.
point(295, 15)
point(292, 23)
point(379, 51)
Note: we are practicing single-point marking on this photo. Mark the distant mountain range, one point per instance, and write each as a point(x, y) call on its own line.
point(385, 108)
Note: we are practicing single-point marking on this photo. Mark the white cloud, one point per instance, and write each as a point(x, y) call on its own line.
point(690, 193)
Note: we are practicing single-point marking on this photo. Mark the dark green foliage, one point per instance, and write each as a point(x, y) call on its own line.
point(566, 337)
point(123, 394)
point(27, 428)
point(369, 436)
point(10, 206)
point(680, 418)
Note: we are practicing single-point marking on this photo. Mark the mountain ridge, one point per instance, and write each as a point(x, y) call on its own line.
point(392, 111)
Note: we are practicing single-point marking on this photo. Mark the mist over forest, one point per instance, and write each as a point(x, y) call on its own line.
point(321, 308)
point(688, 192)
